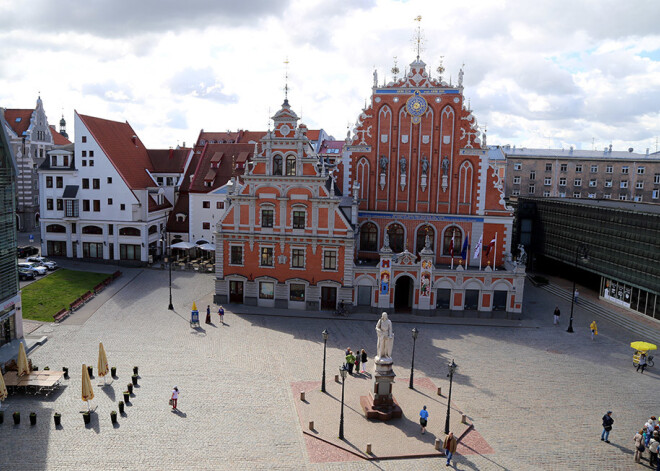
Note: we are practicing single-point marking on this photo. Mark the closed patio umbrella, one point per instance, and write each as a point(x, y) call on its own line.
point(23, 364)
point(103, 362)
point(87, 390)
point(3, 389)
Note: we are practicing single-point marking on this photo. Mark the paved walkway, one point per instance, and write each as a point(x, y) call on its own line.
point(534, 393)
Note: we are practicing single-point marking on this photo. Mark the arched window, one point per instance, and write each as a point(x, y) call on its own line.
point(421, 237)
point(153, 229)
point(129, 231)
point(92, 230)
point(369, 237)
point(291, 165)
point(396, 234)
point(452, 233)
point(277, 165)
point(363, 180)
point(55, 228)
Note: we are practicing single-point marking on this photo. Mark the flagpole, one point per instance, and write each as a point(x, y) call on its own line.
point(482, 251)
point(467, 259)
point(494, 251)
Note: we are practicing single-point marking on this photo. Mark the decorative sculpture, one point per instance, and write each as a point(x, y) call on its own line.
point(385, 338)
point(445, 166)
point(425, 166)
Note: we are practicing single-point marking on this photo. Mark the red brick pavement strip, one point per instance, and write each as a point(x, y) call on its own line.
point(320, 450)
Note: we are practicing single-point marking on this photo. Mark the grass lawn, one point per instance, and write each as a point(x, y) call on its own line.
point(56, 291)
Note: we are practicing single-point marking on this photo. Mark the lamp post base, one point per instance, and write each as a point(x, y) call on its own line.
point(170, 307)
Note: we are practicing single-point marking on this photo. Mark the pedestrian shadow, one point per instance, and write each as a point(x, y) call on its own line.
point(181, 414)
point(199, 331)
point(623, 449)
point(212, 324)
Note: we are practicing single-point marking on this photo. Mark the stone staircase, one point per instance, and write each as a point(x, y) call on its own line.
point(628, 322)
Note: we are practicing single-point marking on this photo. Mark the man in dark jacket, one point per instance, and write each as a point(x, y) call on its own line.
point(607, 426)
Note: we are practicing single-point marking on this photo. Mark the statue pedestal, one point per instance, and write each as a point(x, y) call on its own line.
point(380, 404)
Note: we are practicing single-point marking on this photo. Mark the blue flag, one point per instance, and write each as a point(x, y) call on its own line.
point(465, 248)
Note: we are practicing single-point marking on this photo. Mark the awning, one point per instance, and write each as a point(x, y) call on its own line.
point(182, 245)
point(208, 247)
point(70, 191)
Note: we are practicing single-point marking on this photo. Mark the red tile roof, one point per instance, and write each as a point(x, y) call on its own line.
point(247, 136)
point(154, 206)
point(58, 139)
point(23, 123)
point(329, 144)
point(169, 160)
point(180, 207)
point(313, 134)
point(124, 149)
point(215, 172)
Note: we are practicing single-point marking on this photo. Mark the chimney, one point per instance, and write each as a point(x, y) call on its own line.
point(647, 151)
point(571, 151)
point(630, 149)
point(610, 148)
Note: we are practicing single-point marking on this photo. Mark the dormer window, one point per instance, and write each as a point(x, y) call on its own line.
point(53, 161)
point(291, 165)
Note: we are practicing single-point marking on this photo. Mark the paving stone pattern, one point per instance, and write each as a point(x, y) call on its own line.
point(535, 395)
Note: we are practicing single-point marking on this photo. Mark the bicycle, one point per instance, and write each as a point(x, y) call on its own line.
point(341, 311)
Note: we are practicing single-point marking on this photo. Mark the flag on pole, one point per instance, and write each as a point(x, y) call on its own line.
point(477, 249)
point(490, 246)
point(451, 247)
point(464, 250)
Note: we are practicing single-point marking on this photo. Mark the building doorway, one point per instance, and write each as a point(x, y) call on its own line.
point(499, 300)
point(236, 292)
point(328, 298)
point(403, 294)
point(471, 299)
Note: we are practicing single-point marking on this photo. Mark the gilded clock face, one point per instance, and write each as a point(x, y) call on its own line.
point(416, 107)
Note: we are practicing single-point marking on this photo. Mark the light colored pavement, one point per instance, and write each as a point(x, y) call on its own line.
point(536, 394)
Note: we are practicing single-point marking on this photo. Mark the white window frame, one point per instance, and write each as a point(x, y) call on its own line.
point(591, 195)
point(656, 179)
point(623, 197)
point(336, 252)
point(577, 182)
point(655, 194)
point(623, 184)
point(639, 185)
point(515, 192)
point(609, 169)
point(562, 181)
point(547, 181)
point(578, 167)
point(638, 198)
point(593, 183)
point(531, 190)
point(517, 165)
point(242, 255)
point(267, 246)
point(304, 254)
point(577, 194)
point(607, 196)
point(625, 169)
point(267, 207)
point(516, 180)
point(546, 194)
point(641, 170)
point(299, 207)
point(593, 168)
point(608, 183)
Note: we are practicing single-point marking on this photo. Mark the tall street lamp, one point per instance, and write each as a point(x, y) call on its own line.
point(415, 333)
point(325, 343)
point(343, 372)
point(168, 260)
point(582, 252)
point(452, 368)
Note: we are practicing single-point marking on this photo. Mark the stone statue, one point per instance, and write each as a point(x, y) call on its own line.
point(460, 77)
point(383, 163)
point(445, 166)
point(427, 242)
point(385, 338)
point(386, 240)
point(375, 78)
point(522, 257)
point(403, 163)
point(425, 166)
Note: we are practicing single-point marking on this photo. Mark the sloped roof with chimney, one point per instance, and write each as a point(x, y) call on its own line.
point(18, 120)
point(217, 164)
point(169, 160)
point(58, 139)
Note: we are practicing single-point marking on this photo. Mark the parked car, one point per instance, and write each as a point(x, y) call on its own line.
point(37, 269)
point(26, 251)
point(44, 262)
point(26, 273)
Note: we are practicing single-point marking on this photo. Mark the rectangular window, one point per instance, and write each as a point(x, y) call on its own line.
point(299, 219)
point(122, 206)
point(97, 206)
point(577, 182)
point(84, 139)
point(85, 205)
point(92, 250)
point(159, 181)
point(531, 189)
point(532, 175)
point(515, 192)
point(71, 209)
point(59, 182)
point(84, 153)
point(85, 183)
point(639, 185)
point(607, 196)
point(656, 179)
point(516, 180)
point(206, 225)
point(84, 163)
point(129, 252)
point(297, 258)
point(91, 153)
point(91, 163)
point(608, 183)
point(591, 195)
point(206, 204)
point(266, 258)
point(109, 201)
point(640, 170)
point(623, 184)
point(594, 169)
point(563, 167)
point(236, 256)
point(578, 167)
point(220, 205)
point(608, 169)
point(296, 292)
point(623, 197)
point(624, 170)
point(547, 181)
point(96, 183)
point(548, 167)
point(546, 193)
point(60, 205)
point(266, 290)
point(330, 260)
point(111, 229)
point(593, 182)
point(49, 182)
point(53, 161)
point(638, 198)
point(109, 180)
point(267, 216)
point(656, 194)
point(562, 181)
point(49, 204)
point(517, 166)
point(577, 194)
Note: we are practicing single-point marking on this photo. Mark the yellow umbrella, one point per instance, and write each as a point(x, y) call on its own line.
point(103, 362)
point(643, 346)
point(3, 389)
point(87, 390)
point(23, 365)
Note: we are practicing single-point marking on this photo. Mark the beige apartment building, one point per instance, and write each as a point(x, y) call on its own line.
point(569, 173)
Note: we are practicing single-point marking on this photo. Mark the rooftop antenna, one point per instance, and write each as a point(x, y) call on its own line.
point(269, 119)
point(286, 81)
point(593, 143)
point(418, 40)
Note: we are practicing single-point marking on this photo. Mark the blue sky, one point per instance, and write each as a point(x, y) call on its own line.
point(539, 74)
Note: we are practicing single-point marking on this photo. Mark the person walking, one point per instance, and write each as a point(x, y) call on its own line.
point(450, 447)
point(557, 314)
point(653, 450)
point(594, 329)
point(221, 313)
point(576, 295)
point(423, 418)
point(642, 362)
point(175, 397)
point(208, 314)
point(358, 357)
point(639, 445)
point(350, 361)
point(607, 426)
point(363, 354)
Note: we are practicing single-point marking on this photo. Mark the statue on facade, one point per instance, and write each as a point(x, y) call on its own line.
point(427, 242)
point(425, 166)
point(383, 163)
point(460, 77)
point(445, 166)
point(522, 257)
point(385, 338)
point(375, 79)
point(403, 163)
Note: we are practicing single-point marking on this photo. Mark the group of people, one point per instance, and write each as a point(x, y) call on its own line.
point(354, 360)
point(221, 314)
point(450, 443)
point(648, 439)
point(593, 327)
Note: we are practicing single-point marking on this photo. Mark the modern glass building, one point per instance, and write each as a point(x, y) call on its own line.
point(11, 324)
point(621, 241)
